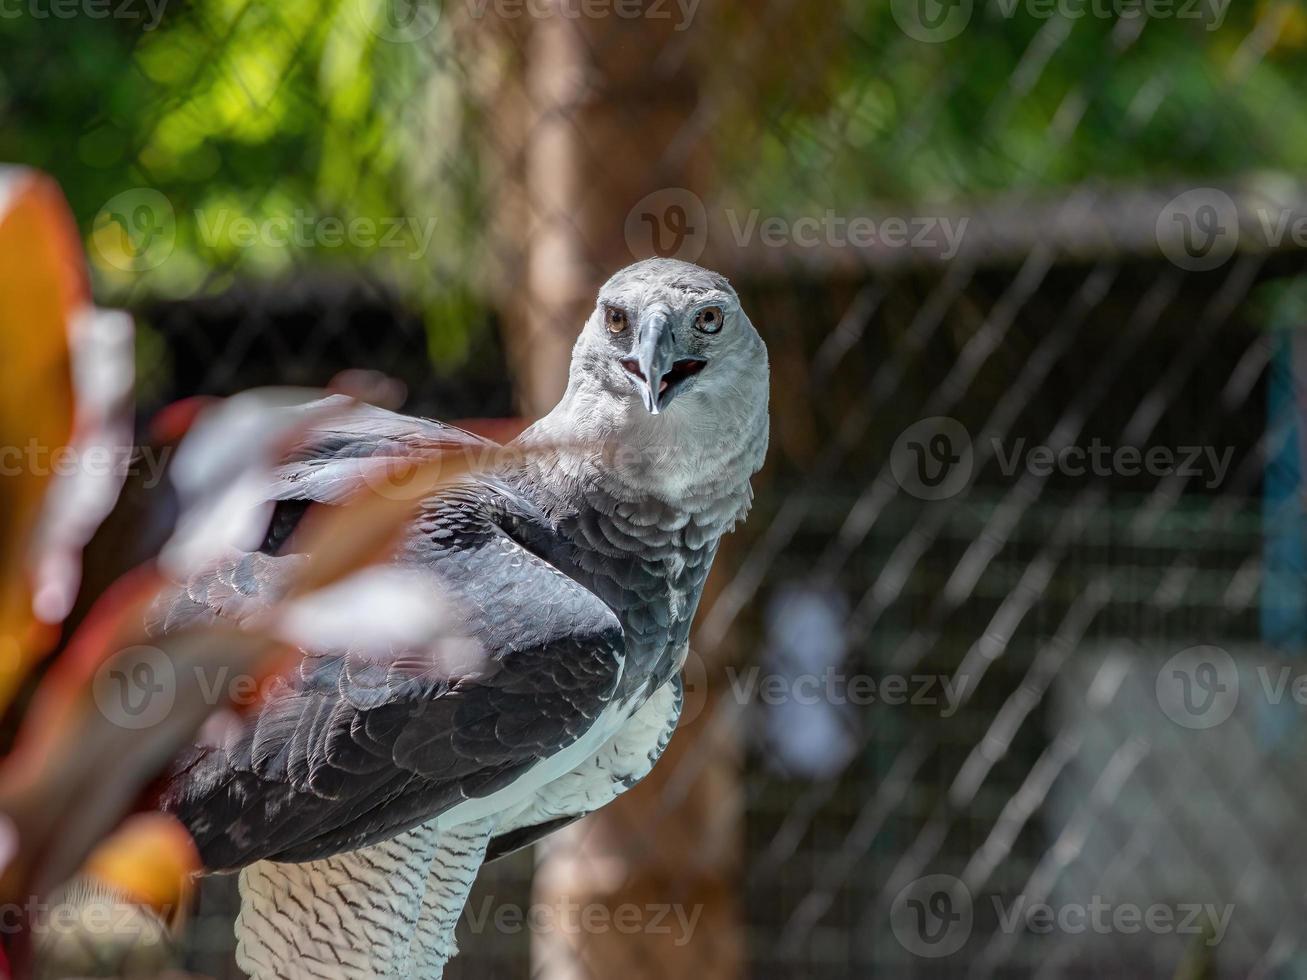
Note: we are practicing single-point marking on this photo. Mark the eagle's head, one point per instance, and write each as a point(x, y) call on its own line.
point(664, 331)
point(669, 362)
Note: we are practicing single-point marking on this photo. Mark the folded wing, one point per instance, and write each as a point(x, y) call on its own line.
point(356, 745)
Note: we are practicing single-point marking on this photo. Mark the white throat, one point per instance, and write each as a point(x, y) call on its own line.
point(674, 457)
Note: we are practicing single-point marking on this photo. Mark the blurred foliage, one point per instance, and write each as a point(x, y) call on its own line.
point(307, 116)
point(275, 135)
point(1022, 101)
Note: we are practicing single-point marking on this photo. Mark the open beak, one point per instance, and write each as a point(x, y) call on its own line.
point(654, 364)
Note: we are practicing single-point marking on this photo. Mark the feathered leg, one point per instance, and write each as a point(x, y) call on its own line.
point(459, 853)
point(344, 917)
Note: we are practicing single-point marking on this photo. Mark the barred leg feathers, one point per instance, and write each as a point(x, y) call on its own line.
point(345, 917)
point(458, 858)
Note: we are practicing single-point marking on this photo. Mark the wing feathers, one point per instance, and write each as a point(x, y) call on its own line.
point(355, 748)
point(359, 446)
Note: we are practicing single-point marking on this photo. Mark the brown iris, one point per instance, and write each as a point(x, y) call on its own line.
point(709, 319)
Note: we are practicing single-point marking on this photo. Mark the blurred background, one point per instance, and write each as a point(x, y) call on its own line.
point(1002, 676)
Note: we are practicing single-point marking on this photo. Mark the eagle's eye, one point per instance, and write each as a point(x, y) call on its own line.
point(709, 320)
point(615, 317)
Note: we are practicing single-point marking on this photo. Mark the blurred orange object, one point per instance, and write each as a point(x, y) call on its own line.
point(42, 286)
point(151, 859)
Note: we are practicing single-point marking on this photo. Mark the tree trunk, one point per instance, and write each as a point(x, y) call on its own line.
point(646, 887)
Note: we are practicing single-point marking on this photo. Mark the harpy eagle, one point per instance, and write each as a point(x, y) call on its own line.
point(360, 800)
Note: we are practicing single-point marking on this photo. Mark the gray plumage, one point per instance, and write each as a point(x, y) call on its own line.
point(576, 572)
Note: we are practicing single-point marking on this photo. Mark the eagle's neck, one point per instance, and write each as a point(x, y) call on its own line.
point(642, 527)
point(647, 558)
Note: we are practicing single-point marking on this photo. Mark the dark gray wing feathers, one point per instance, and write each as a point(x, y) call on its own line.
point(355, 748)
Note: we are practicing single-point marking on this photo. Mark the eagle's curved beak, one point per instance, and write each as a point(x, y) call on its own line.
point(654, 364)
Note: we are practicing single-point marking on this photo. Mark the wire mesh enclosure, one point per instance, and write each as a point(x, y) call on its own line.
point(1002, 677)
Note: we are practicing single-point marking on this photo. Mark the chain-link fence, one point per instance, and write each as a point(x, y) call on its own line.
point(1002, 677)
